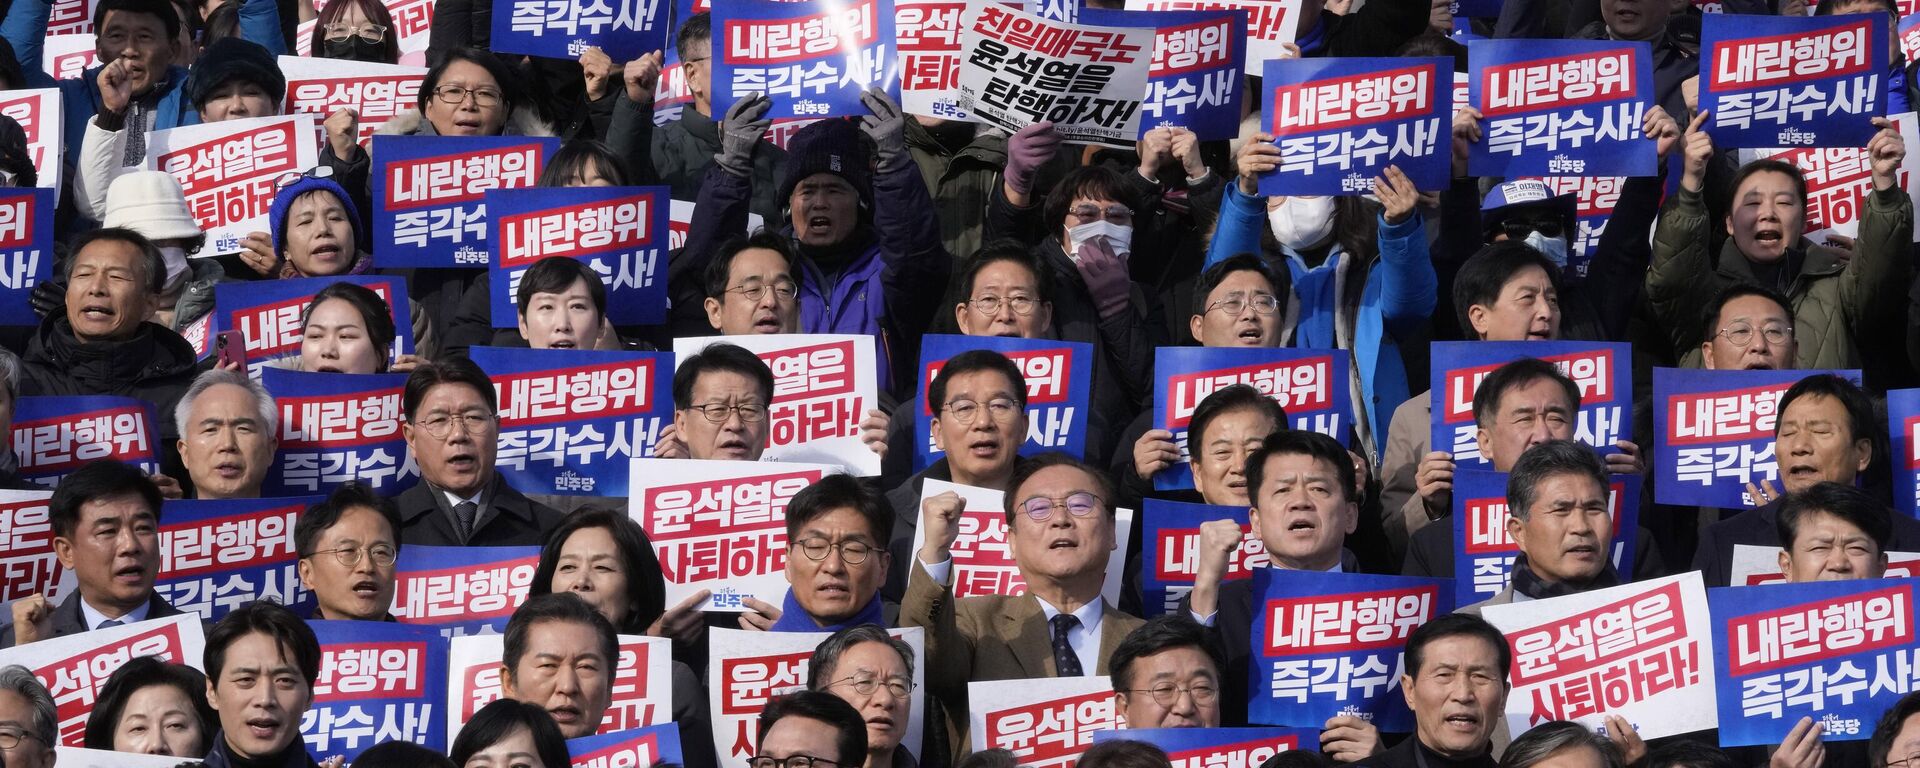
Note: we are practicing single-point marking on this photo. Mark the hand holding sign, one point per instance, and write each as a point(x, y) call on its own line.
point(1258, 157)
point(1434, 483)
point(940, 519)
point(1661, 128)
point(873, 430)
point(887, 127)
point(1466, 132)
point(1186, 149)
point(1627, 461)
point(740, 133)
point(1886, 150)
point(641, 75)
point(1154, 451)
point(256, 251)
point(1156, 151)
point(684, 623)
point(1699, 153)
point(1624, 736)
point(670, 446)
point(1027, 150)
point(1802, 749)
point(1349, 739)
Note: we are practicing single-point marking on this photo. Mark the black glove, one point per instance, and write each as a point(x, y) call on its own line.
point(49, 299)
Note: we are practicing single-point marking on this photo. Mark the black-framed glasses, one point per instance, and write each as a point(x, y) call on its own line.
point(1165, 694)
point(1912, 761)
point(1263, 303)
point(718, 412)
point(455, 94)
point(383, 555)
point(990, 305)
point(783, 290)
point(11, 737)
point(372, 33)
point(1118, 214)
point(291, 178)
point(1518, 229)
point(790, 761)
point(851, 552)
point(440, 425)
point(965, 411)
point(1741, 334)
point(1080, 504)
point(866, 686)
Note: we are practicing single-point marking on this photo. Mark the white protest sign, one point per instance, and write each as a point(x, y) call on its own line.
point(1017, 69)
point(1761, 565)
point(719, 525)
point(1045, 723)
point(78, 757)
point(681, 214)
point(1840, 178)
point(65, 57)
point(983, 556)
point(642, 681)
point(27, 563)
point(745, 669)
point(73, 668)
point(375, 92)
point(39, 115)
point(231, 170)
point(823, 386)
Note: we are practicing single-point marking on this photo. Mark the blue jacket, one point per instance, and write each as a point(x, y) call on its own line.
point(25, 27)
point(1398, 298)
point(890, 291)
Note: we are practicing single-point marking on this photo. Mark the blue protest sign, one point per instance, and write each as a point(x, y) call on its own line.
point(624, 29)
point(335, 428)
point(53, 436)
point(652, 745)
point(429, 207)
point(813, 58)
point(1059, 380)
point(1194, 80)
point(1340, 122)
point(1465, 10)
point(1197, 747)
point(1327, 644)
point(1483, 548)
point(462, 590)
point(270, 314)
point(26, 250)
point(1839, 652)
point(1561, 108)
point(1785, 81)
point(1171, 549)
point(1903, 423)
point(571, 420)
point(1310, 384)
point(217, 555)
point(621, 232)
point(1713, 433)
point(379, 682)
point(1604, 371)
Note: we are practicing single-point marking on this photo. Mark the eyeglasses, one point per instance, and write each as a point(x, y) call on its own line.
point(11, 737)
point(454, 94)
point(371, 33)
point(1263, 303)
point(1165, 694)
point(790, 761)
point(1518, 230)
point(1118, 214)
point(1041, 508)
point(866, 686)
point(851, 552)
point(965, 411)
point(291, 178)
point(718, 412)
point(382, 555)
point(1912, 761)
point(1741, 334)
point(441, 425)
point(990, 305)
point(783, 291)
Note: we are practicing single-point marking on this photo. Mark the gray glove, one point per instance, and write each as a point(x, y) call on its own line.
point(740, 132)
point(887, 127)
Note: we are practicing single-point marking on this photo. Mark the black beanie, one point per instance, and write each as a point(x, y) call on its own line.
point(231, 58)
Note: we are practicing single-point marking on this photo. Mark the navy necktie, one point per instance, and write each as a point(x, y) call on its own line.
point(1065, 662)
point(466, 511)
point(110, 623)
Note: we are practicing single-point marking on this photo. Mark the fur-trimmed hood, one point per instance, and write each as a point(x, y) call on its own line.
point(525, 121)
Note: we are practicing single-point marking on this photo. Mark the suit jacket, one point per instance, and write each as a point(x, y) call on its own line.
point(988, 637)
point(1760, 527)
point(1505, 597)
point(67, 619)
point(510, 519)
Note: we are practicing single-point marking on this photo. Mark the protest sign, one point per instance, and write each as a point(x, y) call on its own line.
point(74, 667)
point(823, 386)
point(680, 218)
point(1839, 179)
point(1561, 108)
point(412, 30)
point(336, 428)
point(642, 685)
point(1713, 433)
point(1339, 122)
point(38, 112)
point(619, 232)
point(231, 170)
point(429, 206)
point(27, 563)
point(379, 682)
point(1310, 384)
point(1603, 370)
point(1483, 548)
point(271, 314)
point(813, 58)
point(1270, 23)
point(1171, 549)
point(26, 250)
point(217, 555)
point(1218, 747)
point(1910, 35)
point(649, 746)
point(81, 757)
point(929, 33)
point(1327, 644)
point(1783, 81)
point(1059, 378)
point(1045, 723)
point(983, 561)
point(1835, 651)
point(462, 590)
point(1903, 424)
point(748, 668)
point(1639, 651)
point(562, 29)
point(70, 17)
point(1594, 198)
point(375, 92)
point(1017, 69)
point(53, 436)
point(1755, 565)
point(572, 420)
point(66, 57)
point(719, 525)
point(1196, 77)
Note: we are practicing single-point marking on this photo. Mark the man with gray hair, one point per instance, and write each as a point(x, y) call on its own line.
point(873, 671)
point(29, 726)
point(229, 427)
point(9, 461)
point(1557, 500)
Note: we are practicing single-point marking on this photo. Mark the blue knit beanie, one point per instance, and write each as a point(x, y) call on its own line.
point(282, 202)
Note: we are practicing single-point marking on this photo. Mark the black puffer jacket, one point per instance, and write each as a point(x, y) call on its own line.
point(156, 365)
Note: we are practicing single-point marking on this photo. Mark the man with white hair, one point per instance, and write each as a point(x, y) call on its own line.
point(29, 725)
point(228, 431)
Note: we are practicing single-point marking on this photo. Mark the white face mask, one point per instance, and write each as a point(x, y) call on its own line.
point(175, 258)
point(1302, 222)
point(1119, 237)
point(1554, 247)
